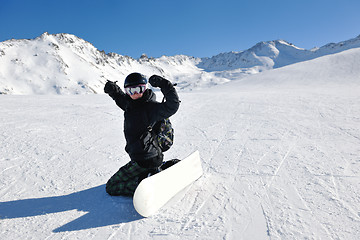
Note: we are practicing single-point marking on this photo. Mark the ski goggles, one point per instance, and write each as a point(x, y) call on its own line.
point(135, 89)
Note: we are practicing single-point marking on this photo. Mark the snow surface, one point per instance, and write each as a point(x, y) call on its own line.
point(280, 152)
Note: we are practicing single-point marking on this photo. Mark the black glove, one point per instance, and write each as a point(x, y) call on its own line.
point(157, 81)
point(110, 87)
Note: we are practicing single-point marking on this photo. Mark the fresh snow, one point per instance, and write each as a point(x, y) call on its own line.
point(280, 152)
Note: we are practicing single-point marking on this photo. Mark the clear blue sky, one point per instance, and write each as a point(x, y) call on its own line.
point(200, 28)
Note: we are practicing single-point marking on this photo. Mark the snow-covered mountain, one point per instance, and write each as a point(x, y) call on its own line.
point(268, 55)
point(66, 64)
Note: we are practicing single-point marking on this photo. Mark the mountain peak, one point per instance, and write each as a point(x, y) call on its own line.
point(266, 55)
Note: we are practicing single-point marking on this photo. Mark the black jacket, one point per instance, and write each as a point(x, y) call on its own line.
point(139, 115)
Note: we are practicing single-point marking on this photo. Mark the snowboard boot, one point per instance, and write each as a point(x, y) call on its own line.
point(149, 173)
point(169, 163)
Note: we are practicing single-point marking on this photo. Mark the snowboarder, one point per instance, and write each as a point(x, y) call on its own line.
point(141, 110)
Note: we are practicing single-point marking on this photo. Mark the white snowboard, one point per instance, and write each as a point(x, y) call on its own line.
point(155, 191)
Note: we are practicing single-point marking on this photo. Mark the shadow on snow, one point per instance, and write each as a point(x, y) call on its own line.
point(102, 209)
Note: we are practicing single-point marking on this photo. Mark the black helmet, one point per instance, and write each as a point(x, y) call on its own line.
point(135, 79)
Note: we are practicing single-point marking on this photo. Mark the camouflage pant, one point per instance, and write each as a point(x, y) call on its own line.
point(125, 181)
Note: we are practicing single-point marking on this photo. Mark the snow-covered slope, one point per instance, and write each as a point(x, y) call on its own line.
point(66, 64)
point(268, 55)
point(327, 71)
point(280, 153)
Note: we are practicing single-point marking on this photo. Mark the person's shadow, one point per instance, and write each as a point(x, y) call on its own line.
point(102, 209)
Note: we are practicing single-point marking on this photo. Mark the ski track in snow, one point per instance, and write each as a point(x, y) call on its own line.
point(278, 164)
